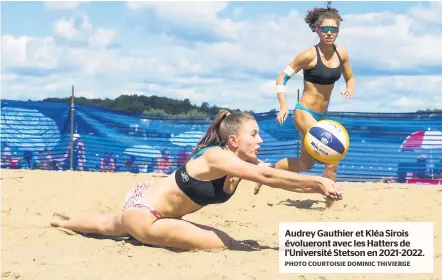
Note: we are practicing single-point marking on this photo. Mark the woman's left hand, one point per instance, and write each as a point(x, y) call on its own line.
point(347, 93)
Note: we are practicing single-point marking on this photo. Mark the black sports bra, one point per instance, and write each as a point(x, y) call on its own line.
point(199, 191)
point(321, 74)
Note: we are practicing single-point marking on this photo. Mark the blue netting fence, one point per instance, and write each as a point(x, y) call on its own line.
point(37, 135)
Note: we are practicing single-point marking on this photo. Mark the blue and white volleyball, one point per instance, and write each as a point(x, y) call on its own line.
point(327, 141)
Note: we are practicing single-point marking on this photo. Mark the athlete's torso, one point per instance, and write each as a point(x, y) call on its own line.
point(202, 192)
point(319, 80)
point(180, 194)
point(322, 74)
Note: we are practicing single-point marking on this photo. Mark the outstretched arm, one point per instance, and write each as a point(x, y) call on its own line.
point(257, 186)
point(229, 163)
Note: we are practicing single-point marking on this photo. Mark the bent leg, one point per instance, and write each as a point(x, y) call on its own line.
point(303, 121)
point(330, 171)
point(104, 224)
point(303, 163)
point(175, 233)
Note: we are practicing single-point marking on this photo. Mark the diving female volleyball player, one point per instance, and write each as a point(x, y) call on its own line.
point(322, 65)
point(152, 212)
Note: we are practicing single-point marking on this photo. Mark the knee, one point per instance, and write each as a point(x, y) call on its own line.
point(138, 228)
point(105, 226)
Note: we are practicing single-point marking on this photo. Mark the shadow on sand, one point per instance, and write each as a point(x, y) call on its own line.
point(307, 204)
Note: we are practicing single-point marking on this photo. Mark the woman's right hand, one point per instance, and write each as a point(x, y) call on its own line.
point(282, 115)
point(330, 189)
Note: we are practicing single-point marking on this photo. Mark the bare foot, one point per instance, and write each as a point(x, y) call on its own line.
point(58, 219)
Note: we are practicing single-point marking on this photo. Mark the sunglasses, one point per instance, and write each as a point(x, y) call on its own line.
point(326, 29)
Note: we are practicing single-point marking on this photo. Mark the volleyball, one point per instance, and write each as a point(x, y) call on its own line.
point(327, 141)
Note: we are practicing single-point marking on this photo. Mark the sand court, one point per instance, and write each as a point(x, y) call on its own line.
point(32, 249)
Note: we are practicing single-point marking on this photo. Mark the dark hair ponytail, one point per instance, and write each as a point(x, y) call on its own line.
point(224, 125)
point(212, 136)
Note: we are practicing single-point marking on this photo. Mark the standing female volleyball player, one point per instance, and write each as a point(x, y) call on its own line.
point(322, 65)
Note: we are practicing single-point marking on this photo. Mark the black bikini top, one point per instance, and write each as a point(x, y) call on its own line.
point(199, 191)
point(321, 74)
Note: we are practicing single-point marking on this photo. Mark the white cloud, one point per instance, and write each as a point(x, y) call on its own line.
point(22, 87)
point(137, 5)
point(14, 49)
point(95, 37)
point(408, 102)
point(8, 77)
point(30, 52)
point(66, 28)
point(237, 12)
point(391, 94)
point(182, 11)
point(430, 15)
point(387, 40)
point(61, 5)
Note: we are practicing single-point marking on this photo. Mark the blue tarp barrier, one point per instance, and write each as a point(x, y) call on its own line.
point(36, 135)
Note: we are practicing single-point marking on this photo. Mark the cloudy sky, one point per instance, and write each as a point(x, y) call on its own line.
point(224, 53)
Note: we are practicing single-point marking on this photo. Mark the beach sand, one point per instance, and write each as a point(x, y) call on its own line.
point(33, 250)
